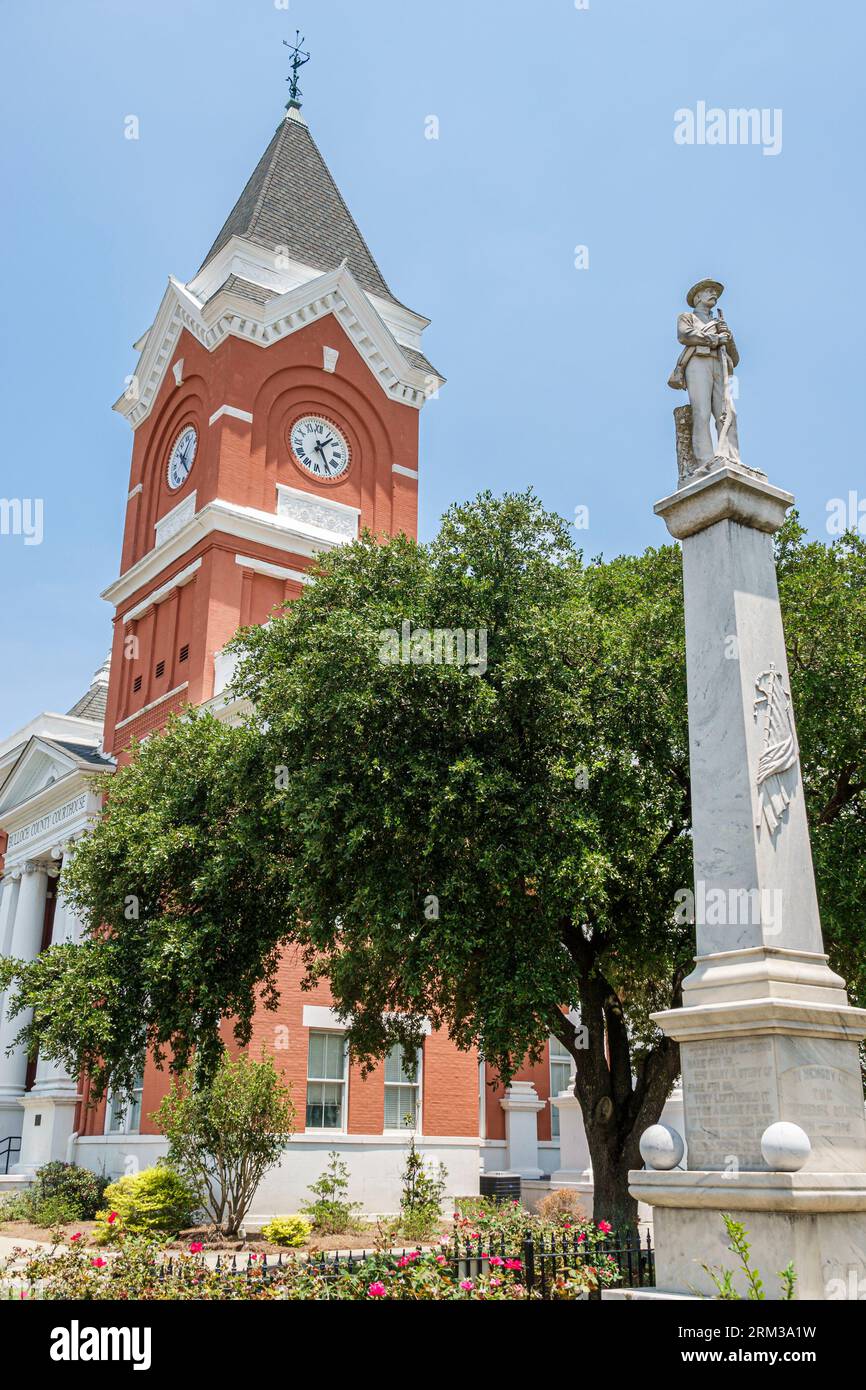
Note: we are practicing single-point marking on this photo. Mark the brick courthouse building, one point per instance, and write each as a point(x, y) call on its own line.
point(275, 410)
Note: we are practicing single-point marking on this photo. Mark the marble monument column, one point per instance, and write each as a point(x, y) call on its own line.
point(768, 1039)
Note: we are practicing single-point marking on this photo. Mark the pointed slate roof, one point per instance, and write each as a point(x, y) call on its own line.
point(292, 200)
point(93, 701)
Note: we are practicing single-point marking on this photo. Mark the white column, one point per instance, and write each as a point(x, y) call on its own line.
point(49, 1107)
point(8, 899)
point(574, 1161)
point(521, 1105)
point(52, 1077)
point(26, 939)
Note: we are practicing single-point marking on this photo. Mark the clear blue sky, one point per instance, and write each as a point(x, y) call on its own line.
point(556, 129)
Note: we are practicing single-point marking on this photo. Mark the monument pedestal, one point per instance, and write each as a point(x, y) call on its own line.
point(766, 1032)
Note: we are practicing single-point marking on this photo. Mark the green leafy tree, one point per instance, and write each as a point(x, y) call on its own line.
point(823, 593)
point(483, 845)
point(225, 1131)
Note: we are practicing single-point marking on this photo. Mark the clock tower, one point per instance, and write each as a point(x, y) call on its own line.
point(275, 410)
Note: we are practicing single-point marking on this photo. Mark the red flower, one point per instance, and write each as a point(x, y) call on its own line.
point(605, 1227)
point(112, 1217)
point(513, 1264)
point(98, 1262)
point(581, 1237)
point(376, 1290)
point(77, 1236)
point(196, 1247)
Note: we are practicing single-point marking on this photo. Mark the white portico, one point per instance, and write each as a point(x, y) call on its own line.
point(47, 802)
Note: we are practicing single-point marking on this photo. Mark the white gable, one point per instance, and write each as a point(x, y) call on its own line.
point(40, 765)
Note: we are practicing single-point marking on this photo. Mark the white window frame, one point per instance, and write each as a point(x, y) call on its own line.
point(558, 1062)
point(128, 1108)
point(332, 1080)
point(419, 1098)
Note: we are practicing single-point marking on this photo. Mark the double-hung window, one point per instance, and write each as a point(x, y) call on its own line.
point(123, 1112)
point(326, 1081)
point(561, 1073)
point(402, 1088)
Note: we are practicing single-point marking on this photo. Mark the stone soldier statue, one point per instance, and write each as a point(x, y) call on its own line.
point(704, 370)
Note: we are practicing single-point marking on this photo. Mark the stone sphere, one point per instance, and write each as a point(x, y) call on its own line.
point(785, 1147)
point(661, 1147)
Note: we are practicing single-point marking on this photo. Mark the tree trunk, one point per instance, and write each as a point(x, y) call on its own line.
point(619, 1096)
point(610, 1168)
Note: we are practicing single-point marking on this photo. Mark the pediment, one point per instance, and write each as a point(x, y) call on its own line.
point(40, 764)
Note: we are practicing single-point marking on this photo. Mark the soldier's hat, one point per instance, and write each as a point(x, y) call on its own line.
point(703, 285)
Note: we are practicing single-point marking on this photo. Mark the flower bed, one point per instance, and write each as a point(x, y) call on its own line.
point(139, 1269)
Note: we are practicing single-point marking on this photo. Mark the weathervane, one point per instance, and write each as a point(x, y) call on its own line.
point(298, 60)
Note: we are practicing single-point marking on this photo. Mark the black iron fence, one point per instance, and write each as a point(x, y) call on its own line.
point(623, 1260)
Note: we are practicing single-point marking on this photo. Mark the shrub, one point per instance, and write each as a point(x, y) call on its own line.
point(421, 1199)
point(331, 1213)
point(155, 1200)
point(287, 1230)
point(224, 1134)
point(66, 1184)
point(62, 1192)
point(15, 1207)
point(562, 1207)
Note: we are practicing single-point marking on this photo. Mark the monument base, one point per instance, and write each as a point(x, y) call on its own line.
point(817, 1221)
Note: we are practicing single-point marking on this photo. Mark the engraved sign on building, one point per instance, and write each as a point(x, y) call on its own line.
point(50, 821)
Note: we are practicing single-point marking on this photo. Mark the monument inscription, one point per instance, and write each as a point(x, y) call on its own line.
point(729, 1098)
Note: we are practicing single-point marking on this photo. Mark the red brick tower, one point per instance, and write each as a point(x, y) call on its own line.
point(275, 410)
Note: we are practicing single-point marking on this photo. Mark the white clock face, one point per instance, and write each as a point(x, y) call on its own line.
point(182, 457)
point(319, 447)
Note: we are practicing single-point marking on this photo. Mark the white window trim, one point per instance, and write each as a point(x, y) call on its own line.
point(418, 1131)
point(551, 1062)
point(344, 1113)
point(127, 1112)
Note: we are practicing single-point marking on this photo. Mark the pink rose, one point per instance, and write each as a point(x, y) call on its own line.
point(495, 1260)
point(441, 1260)
point(403, 1261)
point(513, 1264)
point(466, 1285)
point(376, 1289)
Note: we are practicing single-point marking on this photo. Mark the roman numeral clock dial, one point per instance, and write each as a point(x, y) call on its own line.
point(182, 457)
point(319, 447)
